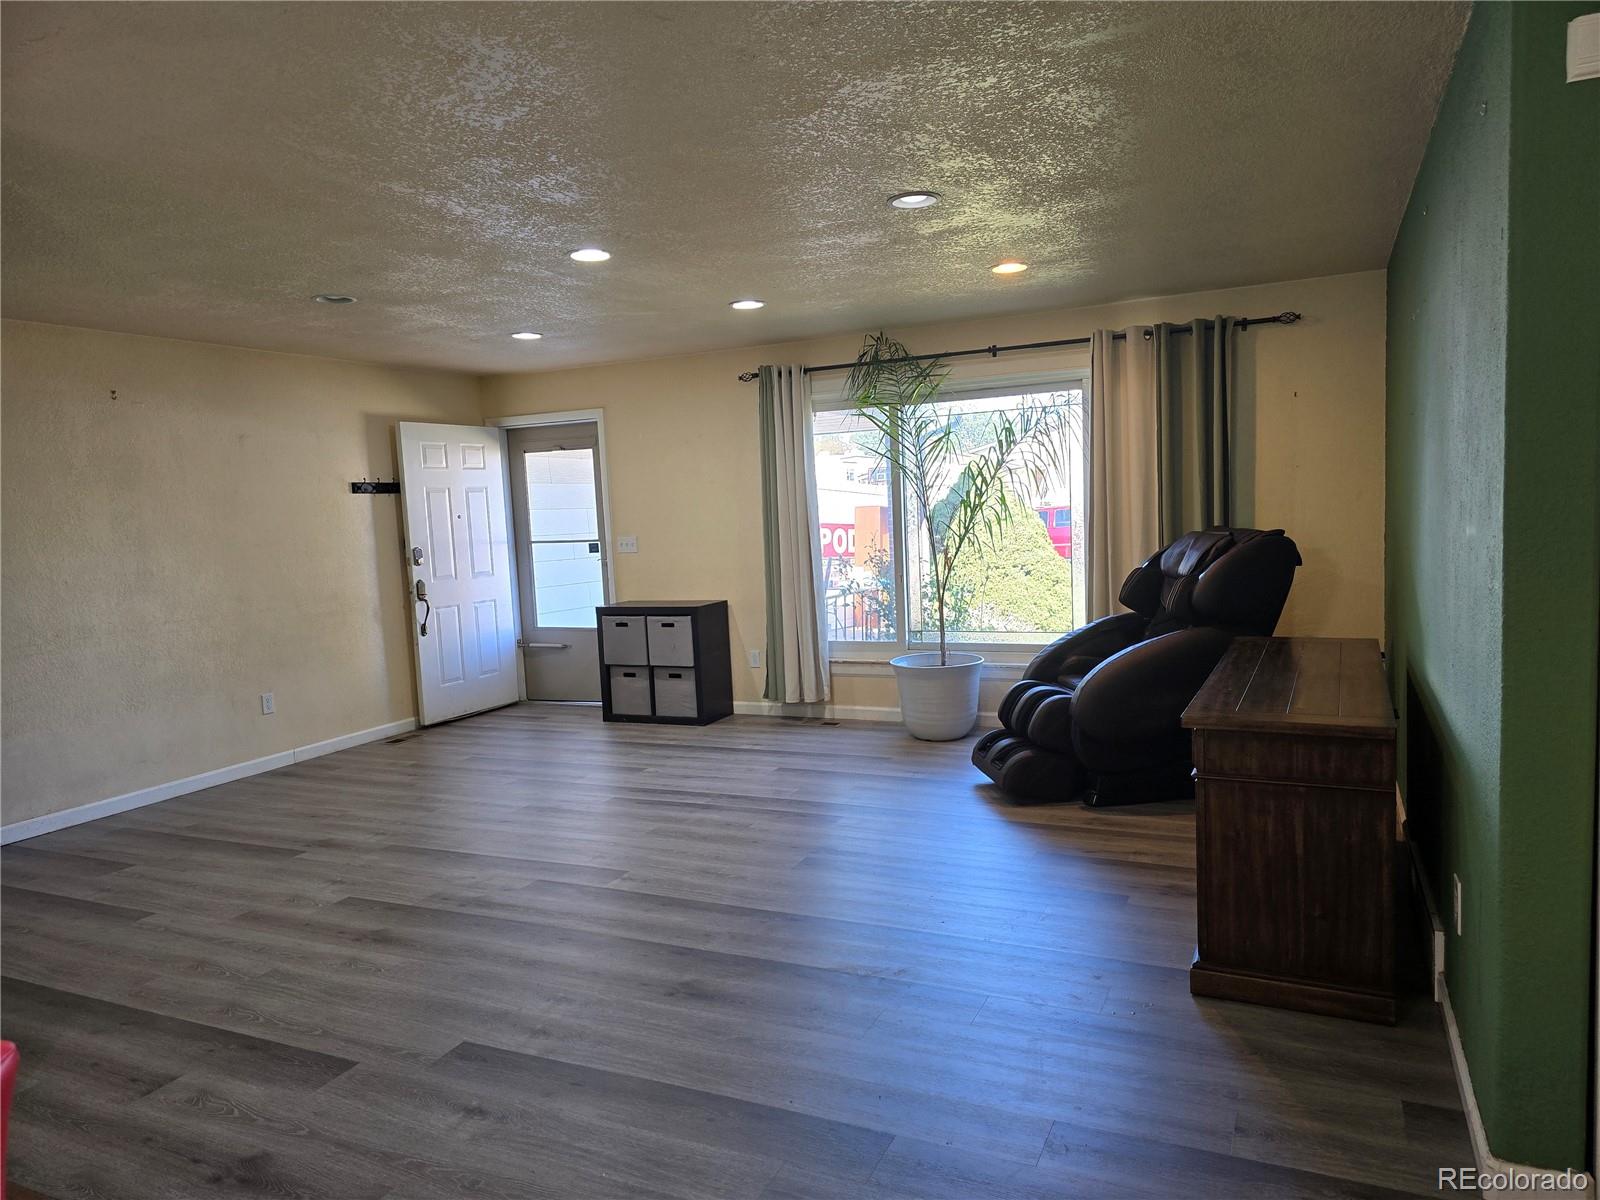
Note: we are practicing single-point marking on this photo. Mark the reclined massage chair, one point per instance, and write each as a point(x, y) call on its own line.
point(1096, 714)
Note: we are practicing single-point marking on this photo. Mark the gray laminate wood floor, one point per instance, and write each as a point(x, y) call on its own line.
point(532, 955)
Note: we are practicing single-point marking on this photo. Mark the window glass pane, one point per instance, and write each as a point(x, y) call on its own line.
point(567, 584)
point(564, 524)
point(856, 519)
point(1023, 585)
point(561, 494)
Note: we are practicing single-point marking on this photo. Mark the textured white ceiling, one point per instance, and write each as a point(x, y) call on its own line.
point(200, 170)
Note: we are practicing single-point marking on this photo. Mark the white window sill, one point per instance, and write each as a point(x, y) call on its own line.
point(992, 668)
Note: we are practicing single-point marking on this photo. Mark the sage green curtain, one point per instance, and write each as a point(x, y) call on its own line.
point(797, 650)
point(1195, 414)
point(769, 530)
point(1122, 495)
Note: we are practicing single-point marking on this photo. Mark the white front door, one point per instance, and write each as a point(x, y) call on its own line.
point(458, 551)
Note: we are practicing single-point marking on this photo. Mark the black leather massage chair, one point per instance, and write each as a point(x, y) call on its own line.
point(1096, 713)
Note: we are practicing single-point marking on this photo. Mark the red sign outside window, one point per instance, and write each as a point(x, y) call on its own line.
point(838, 541)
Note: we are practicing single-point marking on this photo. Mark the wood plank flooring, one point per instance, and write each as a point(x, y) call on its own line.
point(533, 955)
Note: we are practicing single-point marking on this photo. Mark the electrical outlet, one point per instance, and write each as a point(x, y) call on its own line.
point(628, 545)
point(1455, 901)
point(755, 658)
point(267, 708)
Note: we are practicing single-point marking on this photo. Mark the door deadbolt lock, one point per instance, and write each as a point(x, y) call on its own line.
point(416, 556)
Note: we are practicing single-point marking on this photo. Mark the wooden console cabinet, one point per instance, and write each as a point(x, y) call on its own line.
point(1294, 751)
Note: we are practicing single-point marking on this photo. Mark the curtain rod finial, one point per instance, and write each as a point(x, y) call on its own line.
point(749, 376)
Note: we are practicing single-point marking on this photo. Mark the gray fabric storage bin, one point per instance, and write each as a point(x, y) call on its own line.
point(630, 691)
point(671, 641)
point(675, 692)
point(622, 640)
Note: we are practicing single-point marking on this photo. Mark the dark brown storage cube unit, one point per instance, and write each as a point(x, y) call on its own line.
point(1294, 751)
point(668, 662)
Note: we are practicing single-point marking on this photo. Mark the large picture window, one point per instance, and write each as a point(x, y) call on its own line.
point(1021, 588)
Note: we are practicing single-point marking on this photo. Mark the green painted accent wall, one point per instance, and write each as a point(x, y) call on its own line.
point(1493, 559)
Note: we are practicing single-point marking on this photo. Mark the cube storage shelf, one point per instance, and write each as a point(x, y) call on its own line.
point(666, 662)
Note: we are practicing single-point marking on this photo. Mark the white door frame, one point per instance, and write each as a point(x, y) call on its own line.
point(572, 417)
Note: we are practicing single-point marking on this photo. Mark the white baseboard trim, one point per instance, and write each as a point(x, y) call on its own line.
point(20, 831)
point(359, 738)
point(1498, 1179)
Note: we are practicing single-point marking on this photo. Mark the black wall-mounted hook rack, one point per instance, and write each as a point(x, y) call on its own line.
point(376, 487)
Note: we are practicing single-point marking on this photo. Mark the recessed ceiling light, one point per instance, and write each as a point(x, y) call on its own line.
point(914, 199)
point(589, 254)
point(333, 298)
point(748, 304)
point(527, 335)
point(1009, 267)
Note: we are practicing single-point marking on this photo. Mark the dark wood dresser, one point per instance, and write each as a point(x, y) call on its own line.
point(1294, 751)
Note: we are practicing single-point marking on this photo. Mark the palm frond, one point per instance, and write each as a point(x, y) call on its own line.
point(896, 394)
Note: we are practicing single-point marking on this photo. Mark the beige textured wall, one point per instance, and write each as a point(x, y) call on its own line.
point(685, 478)
point(173, 552)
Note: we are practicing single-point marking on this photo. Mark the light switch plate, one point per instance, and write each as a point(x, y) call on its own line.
point(755, 658)
point(628, 545)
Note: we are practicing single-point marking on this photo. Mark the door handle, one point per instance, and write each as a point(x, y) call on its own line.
point(427, 609)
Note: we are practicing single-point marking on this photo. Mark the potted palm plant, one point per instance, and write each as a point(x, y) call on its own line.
point(958, 490)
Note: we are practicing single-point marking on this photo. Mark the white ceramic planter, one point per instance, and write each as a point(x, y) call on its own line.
point(938, 703)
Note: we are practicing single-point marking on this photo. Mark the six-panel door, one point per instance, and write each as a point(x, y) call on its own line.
point(464, 627)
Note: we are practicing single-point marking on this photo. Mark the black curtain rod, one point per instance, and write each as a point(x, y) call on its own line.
point(1283, 318)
